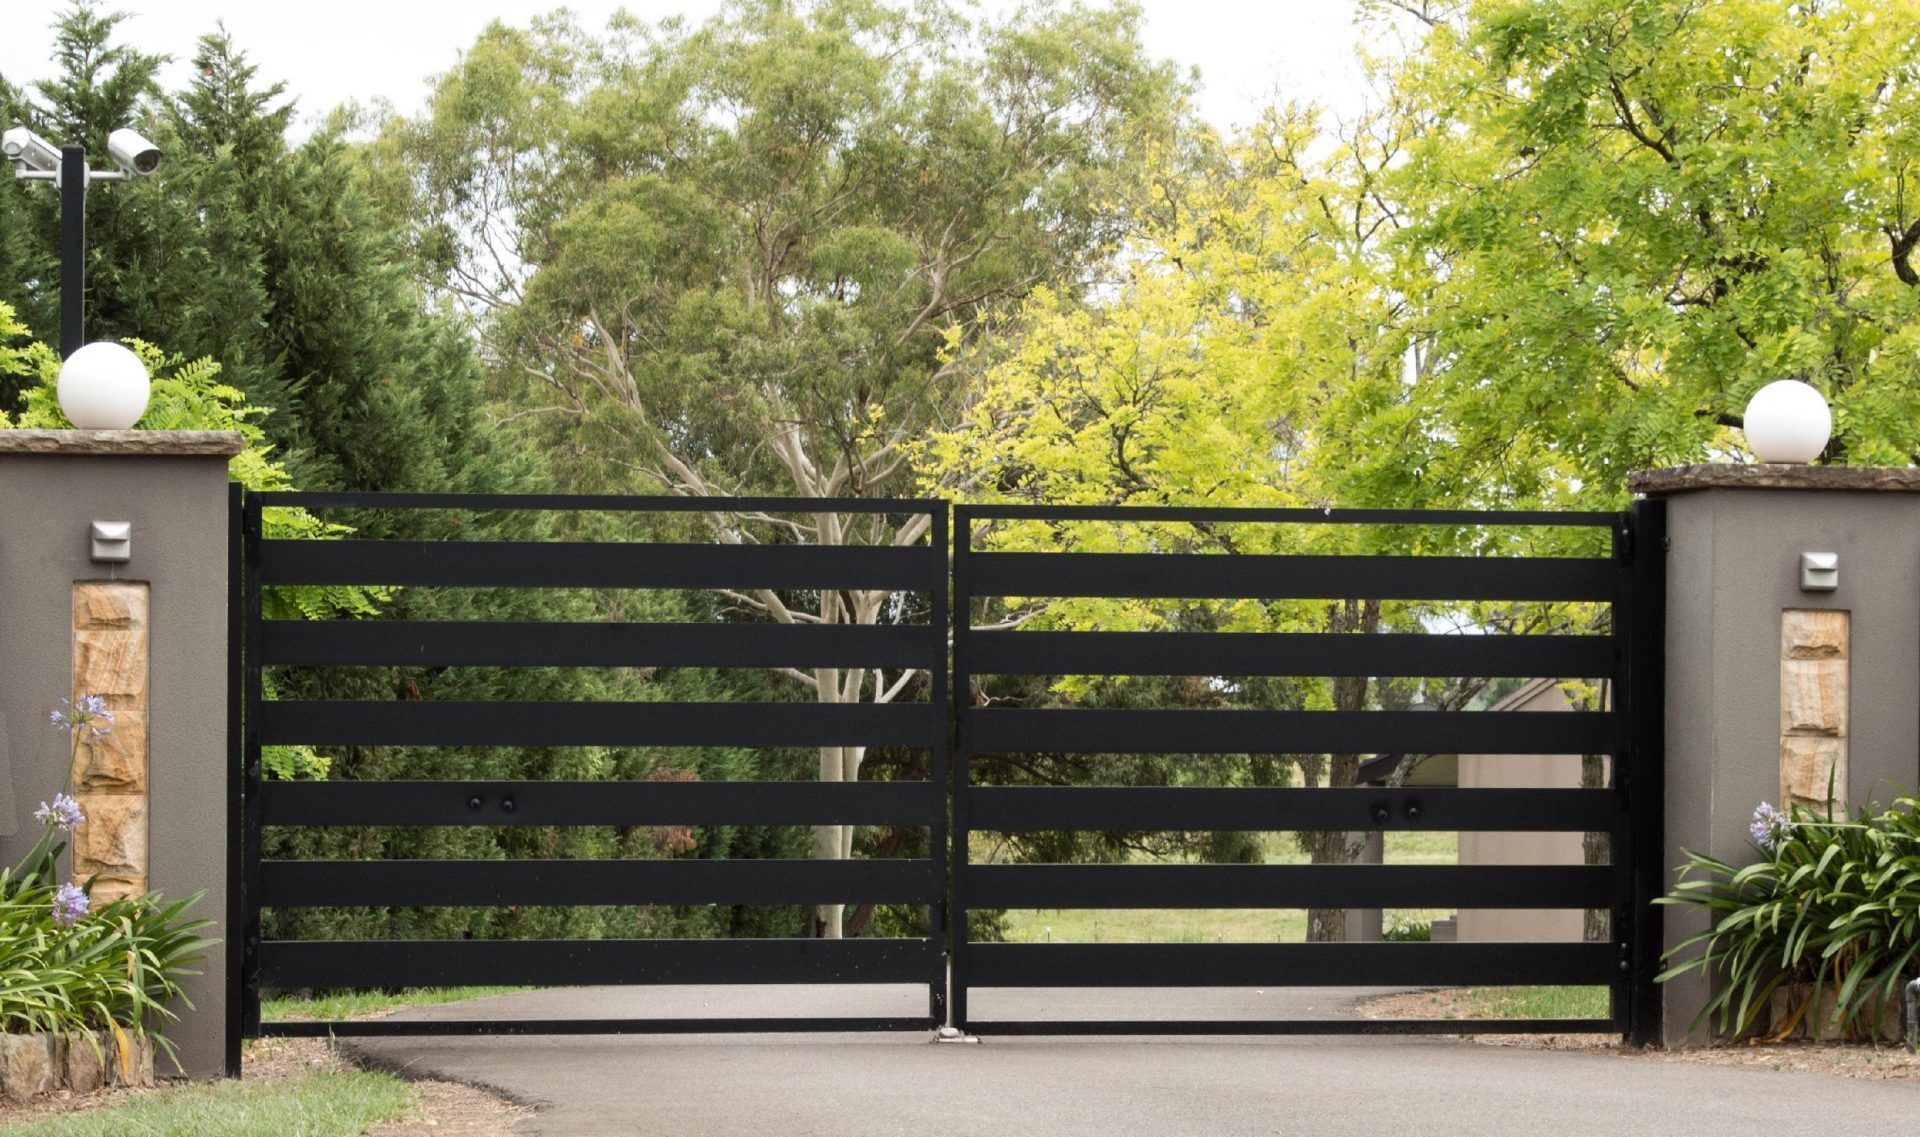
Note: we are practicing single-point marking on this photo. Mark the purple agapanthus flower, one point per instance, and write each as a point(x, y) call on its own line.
point(1771, 827)
point(88, 713)
point(69, 904)
point(62, 812)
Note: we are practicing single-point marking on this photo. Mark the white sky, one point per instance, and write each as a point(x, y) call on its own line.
point(330, 51)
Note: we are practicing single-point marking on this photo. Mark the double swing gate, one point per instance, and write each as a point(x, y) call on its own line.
point(949, 596)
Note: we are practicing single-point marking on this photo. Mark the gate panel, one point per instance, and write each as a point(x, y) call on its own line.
point(277, 884)
point(1626, 656)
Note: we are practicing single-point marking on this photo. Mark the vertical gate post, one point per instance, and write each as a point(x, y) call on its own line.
point(939, 760)
point(1644, 707)
point(236, 771)
point(962, 767)
point(248, 882)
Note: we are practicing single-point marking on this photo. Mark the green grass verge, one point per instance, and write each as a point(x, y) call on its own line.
point(319, 1105)
point(359, 1004)
point(1532, 1002)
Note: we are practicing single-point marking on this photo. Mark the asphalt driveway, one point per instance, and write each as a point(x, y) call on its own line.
point(859, 1085)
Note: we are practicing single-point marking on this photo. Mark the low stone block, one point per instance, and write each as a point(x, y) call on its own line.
point(85, 1061)
point(134, 1067)
point(26, 1066)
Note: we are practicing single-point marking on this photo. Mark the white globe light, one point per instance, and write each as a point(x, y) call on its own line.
point(1787, 421)
point(103, 386)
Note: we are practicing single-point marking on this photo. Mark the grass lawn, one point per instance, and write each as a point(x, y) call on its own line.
point(316, 1105)
point(1497, 1003)
point(1224, 925)
point(1531, 1003)
point(337, 1005)
point(292, 1088)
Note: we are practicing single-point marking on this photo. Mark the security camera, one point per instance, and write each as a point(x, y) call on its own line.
point(133, 152)
point(24, 148)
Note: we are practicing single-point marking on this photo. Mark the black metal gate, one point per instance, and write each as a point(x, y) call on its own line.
point(265, 965)
point(1627, 577)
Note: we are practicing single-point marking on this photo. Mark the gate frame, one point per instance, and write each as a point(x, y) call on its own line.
point(1639, 546)
point(1637, 631)
point(247, 786)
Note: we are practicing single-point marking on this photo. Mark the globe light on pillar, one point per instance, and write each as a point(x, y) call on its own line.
point(103, 386)
point(1787, 421)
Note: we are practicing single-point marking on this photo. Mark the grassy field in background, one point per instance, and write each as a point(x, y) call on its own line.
point(335, 1005)
point(1231, 925)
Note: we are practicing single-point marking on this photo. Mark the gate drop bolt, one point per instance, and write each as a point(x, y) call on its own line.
point(1913, 1017)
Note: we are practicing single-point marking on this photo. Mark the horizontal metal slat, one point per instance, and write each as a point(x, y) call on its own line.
point(422, 723)
point(1013, 1027)
point(1174, 514)
point(1204, 809)
point(406, 884)
point(451, 643)
point(599, 803)
point(295, 964)
point(623, 503)
point(1290, 965)
point(1014, 730)
point(1263, 653)
point(1288, 886)
point(458, 1028)
point(1221, 576)
point(573, 564)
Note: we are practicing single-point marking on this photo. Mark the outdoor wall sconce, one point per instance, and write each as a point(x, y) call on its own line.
point(1819, 572)
point(113, 541)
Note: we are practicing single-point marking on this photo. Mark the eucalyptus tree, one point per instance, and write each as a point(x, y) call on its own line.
point(739, 258)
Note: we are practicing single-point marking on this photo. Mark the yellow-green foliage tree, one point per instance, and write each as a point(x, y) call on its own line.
point(1622, 218)
point(1570, 240)
point(1246, 347)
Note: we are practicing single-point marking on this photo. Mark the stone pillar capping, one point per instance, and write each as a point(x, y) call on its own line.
point(1773, 690)
point(87, 443)
point(1670, 480)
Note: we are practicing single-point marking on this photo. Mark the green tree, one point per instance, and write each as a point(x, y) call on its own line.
point(273, 263)
point(1248, 349)
point(1626, 217)
point(737, 258)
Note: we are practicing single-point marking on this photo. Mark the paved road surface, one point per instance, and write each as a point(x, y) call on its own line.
point(867, 1086)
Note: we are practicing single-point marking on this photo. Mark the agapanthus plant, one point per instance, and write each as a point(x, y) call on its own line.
point(1771, 828)
point(87, 714)
point(1830, 912)
point(69, 904)
point(72, 966)
point(83, 720)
